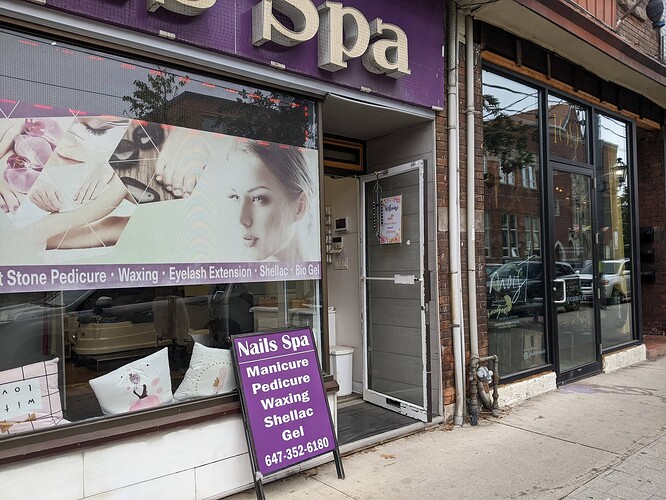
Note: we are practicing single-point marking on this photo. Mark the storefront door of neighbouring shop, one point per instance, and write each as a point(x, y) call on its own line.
point(393, 291)
point(573, 302)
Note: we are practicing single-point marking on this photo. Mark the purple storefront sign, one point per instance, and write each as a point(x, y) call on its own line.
point(284, 399)
point(226, 27)
point(83, 277)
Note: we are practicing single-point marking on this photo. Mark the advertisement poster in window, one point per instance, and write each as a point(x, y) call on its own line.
point(390, 228)
point(107, 201)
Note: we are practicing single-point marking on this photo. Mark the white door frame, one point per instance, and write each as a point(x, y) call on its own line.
point(395, 404)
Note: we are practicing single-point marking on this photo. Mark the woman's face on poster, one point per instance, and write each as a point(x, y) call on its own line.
point(266, 213)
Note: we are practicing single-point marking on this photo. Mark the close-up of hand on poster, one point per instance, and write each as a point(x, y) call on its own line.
point(46, 196)
point(95, 182)
point(182, 160)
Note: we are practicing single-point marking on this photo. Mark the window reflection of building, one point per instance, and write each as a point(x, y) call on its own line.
point(513, 202)
point(511, 169)
point(510, 236)
point(533, 235)
point(612, 200)
point(613, 214)
point(567, 132)
point(507, 177)
point(529, 176)
point(573, 236)
point(487, 233)
point(512, 217)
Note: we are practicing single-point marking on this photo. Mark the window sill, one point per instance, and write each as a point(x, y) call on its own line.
point(89, 434)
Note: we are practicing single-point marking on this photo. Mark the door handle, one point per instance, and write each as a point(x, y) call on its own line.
point(563, 299)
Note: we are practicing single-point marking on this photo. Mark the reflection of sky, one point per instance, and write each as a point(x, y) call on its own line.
point(614, 132)
point(67, 77)
point(514, 98)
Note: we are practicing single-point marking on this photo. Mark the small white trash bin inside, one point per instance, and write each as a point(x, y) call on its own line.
point(341, 367)
point(332, 327)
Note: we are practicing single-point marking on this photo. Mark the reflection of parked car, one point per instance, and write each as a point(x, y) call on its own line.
point(568, 290)
point(491, 268)
point(518, 286)
point(615, 280)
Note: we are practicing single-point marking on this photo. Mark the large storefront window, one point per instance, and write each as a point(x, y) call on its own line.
point(614, 216)
point(514, 266)
point(589, 230)
point(146, 215)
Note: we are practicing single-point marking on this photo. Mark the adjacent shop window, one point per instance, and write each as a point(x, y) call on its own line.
point(567, 130)
point(147, 214)
point(514, 268)
point(615, 228)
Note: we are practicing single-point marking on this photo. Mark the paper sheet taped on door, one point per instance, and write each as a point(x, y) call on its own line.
point(404, 279)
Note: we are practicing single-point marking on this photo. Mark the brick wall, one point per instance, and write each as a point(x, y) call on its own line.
point(604, 10)
point(637, 30)
point(652, 213)
point(446, 338)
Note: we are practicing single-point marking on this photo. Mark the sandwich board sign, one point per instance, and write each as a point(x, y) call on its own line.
point(286, 413)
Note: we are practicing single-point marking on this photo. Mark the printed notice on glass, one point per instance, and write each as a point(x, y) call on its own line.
point(284, 402)
point(390, 228)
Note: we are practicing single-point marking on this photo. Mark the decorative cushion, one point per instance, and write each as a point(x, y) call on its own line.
point(210, 373)
point(138, 385)
point(29, 397)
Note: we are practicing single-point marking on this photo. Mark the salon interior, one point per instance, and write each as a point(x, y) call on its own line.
point(381, 326)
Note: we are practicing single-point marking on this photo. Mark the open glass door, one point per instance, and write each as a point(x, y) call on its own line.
point(574, 296)
point(393, 291)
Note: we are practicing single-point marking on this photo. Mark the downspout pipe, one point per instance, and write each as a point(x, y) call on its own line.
point(477, 387)
point(454, 211)
point(471, 194)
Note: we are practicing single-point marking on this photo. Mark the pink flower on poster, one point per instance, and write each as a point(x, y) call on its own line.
point(31, 150)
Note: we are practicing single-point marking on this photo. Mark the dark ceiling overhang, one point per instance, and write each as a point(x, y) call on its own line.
point(559, 27)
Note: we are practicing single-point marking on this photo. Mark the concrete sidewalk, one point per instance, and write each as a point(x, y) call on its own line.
point(601, 438)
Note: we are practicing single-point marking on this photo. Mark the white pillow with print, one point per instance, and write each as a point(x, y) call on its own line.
point(210, 373)
point(141, 384)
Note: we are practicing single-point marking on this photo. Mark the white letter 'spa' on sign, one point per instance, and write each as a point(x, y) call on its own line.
point(345, 34)
point(185, 7)
point(266, 28)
